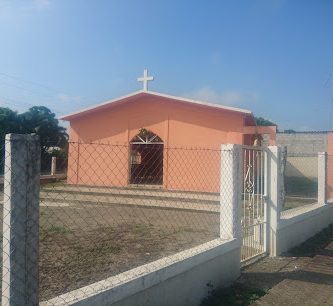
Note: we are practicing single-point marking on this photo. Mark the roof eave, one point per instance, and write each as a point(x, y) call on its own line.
point(186, 100)
point(85, 110)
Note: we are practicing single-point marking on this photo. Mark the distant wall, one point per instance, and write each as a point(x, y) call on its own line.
point(302, 166)
point(303, 143)
point(302, 152)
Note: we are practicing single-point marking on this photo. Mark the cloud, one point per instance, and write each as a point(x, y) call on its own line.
point(230, 97)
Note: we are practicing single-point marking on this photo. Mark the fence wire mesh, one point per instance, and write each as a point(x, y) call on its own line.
point(300, 179)
point(119, 207)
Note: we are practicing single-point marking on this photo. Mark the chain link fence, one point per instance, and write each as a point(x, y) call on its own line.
point(301, 166)
point(300, 179)
point(121, 207)
point(115, 209)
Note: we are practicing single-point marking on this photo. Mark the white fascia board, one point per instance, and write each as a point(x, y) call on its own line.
point(202, 103)
point(102, 104)
point(235, 109)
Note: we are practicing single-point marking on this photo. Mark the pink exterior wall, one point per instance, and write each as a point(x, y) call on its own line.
point(178, 124)
point(97, 164)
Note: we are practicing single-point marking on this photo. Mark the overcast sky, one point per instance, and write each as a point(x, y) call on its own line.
point(274, 57)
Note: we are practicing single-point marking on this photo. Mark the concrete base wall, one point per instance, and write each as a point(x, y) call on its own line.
point(181, 279)
point(300, 224)
point(191, 287)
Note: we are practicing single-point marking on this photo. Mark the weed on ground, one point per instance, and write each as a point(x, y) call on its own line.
point(237, 294)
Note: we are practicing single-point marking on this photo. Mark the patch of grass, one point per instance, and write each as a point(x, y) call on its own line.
point(312, 245)
point(53, 229)
point(57, 229)
point(140, 229)
point(235, 295)
point(55, 183)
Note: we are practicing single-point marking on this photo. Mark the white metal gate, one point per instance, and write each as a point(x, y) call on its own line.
point(254, 204)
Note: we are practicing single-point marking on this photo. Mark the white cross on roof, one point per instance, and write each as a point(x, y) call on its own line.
point(145, 79)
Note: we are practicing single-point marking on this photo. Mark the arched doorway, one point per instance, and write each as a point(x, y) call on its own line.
point(146, 159)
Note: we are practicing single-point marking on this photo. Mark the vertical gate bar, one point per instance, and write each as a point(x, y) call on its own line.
point(260, 192)
point(244, 205)
point(244, 187)
point(247, 187)
point(260, 179)
point(262, 203)
point(262, 184)
point(266, 236)
point(245, 195)
point(249, 195)
point(253, 185)
point(258, 200)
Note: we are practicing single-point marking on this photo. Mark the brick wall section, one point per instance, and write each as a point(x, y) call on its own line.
point(303, 143)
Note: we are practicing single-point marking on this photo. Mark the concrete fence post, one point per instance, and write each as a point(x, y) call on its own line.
point(322, 177)
point(20, 277)
point(53, 165)
point(230, 191)
point(275, 192)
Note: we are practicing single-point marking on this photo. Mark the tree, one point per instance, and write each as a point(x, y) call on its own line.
point(8, 122)
point(39, 120)
point(289, 131)
point(260, 121)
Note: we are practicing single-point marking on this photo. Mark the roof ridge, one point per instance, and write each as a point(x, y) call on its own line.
point(188, 100)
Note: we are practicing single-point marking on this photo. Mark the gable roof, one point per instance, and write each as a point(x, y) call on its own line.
point(143, 93)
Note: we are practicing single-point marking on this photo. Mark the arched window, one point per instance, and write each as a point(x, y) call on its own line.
point(146, 159)
point(146, 137)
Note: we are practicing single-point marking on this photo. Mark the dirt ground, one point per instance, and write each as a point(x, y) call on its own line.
point(80, 245)
point(82, 241)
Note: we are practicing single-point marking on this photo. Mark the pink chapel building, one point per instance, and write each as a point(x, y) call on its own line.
point(149, 138)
